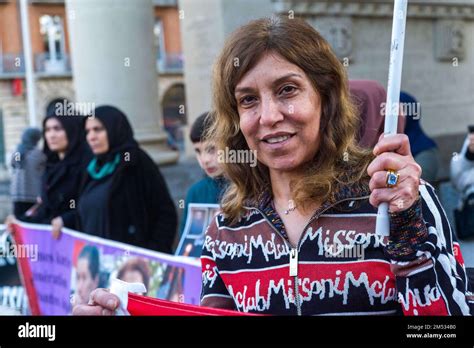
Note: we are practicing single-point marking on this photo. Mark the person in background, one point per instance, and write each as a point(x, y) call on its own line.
point(423, 148)
point(28, 164)
point(462, 177)
point(210, 188)
point(87, 273)
point(135, 270)
point(123, 195)
point(370, 97)
point(67, 155)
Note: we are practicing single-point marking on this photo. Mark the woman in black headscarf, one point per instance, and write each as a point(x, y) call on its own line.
point(67, 156)
point(124, 196)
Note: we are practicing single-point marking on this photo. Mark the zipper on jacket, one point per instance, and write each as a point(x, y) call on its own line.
point(294, 262)
point(294, 273)
point(295, 250)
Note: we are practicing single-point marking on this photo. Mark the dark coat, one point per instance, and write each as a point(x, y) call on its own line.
point(140, 209)
point(62, 178)
point(59, 196)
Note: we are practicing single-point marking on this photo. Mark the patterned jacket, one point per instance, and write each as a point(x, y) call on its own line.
point(340, 266)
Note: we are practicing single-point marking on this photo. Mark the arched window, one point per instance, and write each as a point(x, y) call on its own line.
point(52, 31)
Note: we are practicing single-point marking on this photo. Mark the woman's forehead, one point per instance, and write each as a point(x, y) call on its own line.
point(52, 122)
point(93, 122)
point(270, 68)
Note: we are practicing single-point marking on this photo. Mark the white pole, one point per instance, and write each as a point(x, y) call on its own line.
point(393, 94)
point(30, 78)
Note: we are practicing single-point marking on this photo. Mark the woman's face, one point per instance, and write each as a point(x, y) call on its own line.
point(55, 135)
point(279, 113)
point(96, 136)
point(133, 276)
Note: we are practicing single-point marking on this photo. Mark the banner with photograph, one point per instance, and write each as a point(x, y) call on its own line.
point(58, 273)
point(199, 217)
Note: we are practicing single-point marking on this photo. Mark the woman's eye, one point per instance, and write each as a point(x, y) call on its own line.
point(246, 100)
point(288, 89)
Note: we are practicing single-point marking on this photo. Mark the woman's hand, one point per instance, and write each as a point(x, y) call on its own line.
point(101, 302)
point(393, 152)
point(56, 224)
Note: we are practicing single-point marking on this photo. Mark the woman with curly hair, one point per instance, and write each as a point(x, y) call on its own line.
point(296, 235)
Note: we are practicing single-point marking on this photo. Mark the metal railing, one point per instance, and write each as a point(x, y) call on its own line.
point(12, 65)
point(170, 63)
point(45, 66)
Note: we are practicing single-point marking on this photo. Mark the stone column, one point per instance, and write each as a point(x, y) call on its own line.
point(113, 61)
point(204, 26)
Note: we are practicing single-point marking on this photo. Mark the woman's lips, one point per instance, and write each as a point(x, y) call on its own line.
point(277, 142)
point(211, 170)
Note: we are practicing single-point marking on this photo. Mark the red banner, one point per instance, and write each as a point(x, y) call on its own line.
point(143, 305)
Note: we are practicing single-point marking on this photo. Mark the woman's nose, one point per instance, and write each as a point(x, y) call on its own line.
point(270, 113)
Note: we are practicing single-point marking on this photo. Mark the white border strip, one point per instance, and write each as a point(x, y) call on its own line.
point(112, 243)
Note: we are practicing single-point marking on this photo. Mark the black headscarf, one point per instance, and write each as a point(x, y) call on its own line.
point(75, 138)
point(77, 149)
point(119, 132)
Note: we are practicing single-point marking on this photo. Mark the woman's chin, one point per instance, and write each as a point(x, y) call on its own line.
point(283, 164)
point(98, 152)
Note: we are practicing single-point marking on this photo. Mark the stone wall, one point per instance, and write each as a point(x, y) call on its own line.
point(438, 67)
point(15, 118)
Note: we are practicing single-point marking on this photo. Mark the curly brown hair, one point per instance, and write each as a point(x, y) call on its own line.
point(339, 160)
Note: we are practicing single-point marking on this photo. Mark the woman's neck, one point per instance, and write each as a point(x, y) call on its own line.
point(280, 182)
point(281, 189)
point(61, 155)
